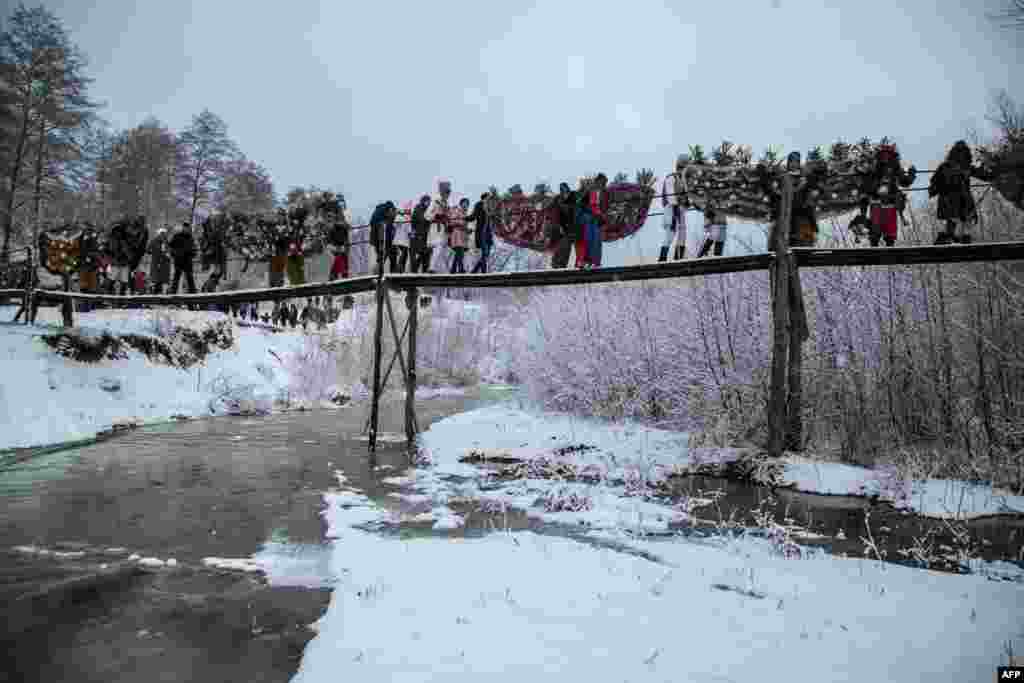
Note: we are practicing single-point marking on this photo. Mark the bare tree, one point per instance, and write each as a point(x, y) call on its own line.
point(203, 150)
point(1011, 16)
point(43, 77)
point(246, 188)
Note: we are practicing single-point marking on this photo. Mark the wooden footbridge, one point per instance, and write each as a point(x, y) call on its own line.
point(789, 323)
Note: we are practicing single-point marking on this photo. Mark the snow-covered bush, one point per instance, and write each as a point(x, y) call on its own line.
point(677, 354)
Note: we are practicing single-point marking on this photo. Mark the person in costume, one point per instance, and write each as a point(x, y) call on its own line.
point(951, 183)
point(882, 199)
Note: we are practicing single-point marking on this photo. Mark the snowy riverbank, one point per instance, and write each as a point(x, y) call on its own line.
point(635, 454)
point(519, 604)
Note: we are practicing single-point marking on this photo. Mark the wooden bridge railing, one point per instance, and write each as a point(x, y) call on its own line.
point(783, 263)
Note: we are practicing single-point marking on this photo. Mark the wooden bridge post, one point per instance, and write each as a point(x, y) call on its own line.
point(411, 301)
point(781, 299)
point(378, 332)
point(67, 307)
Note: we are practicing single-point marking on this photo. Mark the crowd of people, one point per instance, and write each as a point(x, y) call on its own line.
point(438, 234)
point(416, 243)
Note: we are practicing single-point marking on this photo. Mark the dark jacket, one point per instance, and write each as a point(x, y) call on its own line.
point(215, 242)
point(483, 234)
point(951, 183)
point(338, 237)
point(567, 216)
point(183, 250)
point(160, 260)
point(420, 228)
point(138, 238)
point(382, 216)
point(120, 245)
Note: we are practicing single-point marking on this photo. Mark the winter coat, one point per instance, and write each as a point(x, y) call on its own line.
point(282, 240)
point(160, 260)
point(673, 190)
point(183, 250)
point(457, 229)
point(567, 222)
point(297, 239)
point(481, 225)
point(89, 251)
point(420, 228)
point(338, 237)
point(120, 245)
point(212, 244)
point(438, 214)
point(137, 239)
point(951, 183)
point(382, 217)
point(597, 203)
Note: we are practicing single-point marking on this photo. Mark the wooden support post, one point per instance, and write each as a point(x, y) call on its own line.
point(410, 385)
point(780, 285)
point(398, 341)
point(798, 334)
point(67, 307)
point(378, 333)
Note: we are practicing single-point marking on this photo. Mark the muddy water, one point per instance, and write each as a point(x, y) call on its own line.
point(225, 487)
point(843, 521)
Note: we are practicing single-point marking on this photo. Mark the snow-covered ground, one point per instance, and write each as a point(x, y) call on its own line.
point(633, 452)
point(514, 605)
point(47, 398)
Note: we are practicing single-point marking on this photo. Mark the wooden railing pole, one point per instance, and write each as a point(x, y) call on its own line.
point(412, 302)
point(780, 286)
point(378, 333)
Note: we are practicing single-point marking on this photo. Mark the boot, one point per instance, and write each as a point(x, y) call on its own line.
point(663, 256)
point(705, 248)
point(680, 253)
point(719, 248)
point(964, 239)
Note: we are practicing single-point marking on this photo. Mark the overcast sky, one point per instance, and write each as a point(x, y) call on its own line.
point(380, 99)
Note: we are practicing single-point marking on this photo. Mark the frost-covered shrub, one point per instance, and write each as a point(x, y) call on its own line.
point(563, 499)
point(677, 354)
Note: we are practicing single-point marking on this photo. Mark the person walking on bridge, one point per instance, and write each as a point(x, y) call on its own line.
point(567, 230)
point(420, 247)
point(674, 203)
point(595, 215)
point(183, 251)
point(159, 261)
point(438, 214)
point(457, 236)
point(481, 220)
point(382, 234)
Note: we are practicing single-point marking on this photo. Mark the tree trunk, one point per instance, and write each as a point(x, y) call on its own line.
point(14, 177)
point(38, 192)
point(947, 365)
point(780, 284)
